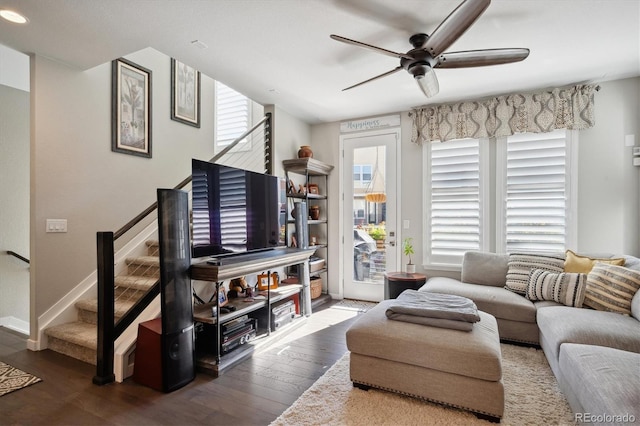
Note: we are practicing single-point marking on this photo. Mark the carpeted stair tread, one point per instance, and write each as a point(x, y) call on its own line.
point(78, 333)
point(121, 306)
point(143, 260)
point(135, 282)
point(153, 247)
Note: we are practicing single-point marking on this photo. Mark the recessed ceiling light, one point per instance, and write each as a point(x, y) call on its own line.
point(199, 44)
point(12, 16)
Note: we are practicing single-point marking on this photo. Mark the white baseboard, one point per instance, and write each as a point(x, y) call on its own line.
point(15, 324)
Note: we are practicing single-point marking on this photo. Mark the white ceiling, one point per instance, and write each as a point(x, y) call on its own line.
point(279, 51)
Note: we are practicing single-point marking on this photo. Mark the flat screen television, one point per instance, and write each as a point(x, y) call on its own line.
point(235, 210)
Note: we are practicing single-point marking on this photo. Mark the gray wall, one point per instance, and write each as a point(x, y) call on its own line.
point(608, 183)
point(76, 176)
point(14, 207)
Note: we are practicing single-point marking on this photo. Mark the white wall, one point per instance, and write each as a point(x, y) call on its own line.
point(289, 133)
point(14, 69)
point(609, 191)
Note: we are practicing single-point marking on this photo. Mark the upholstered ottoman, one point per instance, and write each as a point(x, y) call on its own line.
point(458, 368)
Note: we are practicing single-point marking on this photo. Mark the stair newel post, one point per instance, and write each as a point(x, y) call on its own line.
point(106, 336)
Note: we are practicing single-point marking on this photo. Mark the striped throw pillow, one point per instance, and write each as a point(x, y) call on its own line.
point(521, 264)
point(611, 288)
point(566, 288)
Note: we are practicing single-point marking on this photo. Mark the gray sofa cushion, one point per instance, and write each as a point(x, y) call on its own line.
point(602, 380)
point(485, 268)
point(498, 301)
point(562, 324)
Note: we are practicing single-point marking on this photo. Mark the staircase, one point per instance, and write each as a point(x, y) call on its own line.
point(78, 339)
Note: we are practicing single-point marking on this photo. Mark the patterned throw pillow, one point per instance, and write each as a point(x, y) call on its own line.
point(566, 288)
point(520, 264)
point(611, 288)
point(583, 264)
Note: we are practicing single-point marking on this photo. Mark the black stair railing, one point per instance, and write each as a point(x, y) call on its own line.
point(17, 256)
point(109, 329)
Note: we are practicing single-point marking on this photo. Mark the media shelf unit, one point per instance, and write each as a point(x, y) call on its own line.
point(311, 172)
point(227, 268)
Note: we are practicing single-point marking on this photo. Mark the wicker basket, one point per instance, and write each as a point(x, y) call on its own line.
point(316, 287)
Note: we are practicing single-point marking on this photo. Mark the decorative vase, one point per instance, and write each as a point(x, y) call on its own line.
point(411, 268)
point(305, 152)
point(314, 212)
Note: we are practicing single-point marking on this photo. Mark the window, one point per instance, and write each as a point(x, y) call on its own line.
point(533, 183)
point(233, 114)
point(534, 192)
point(455, 203)
point(362, 174)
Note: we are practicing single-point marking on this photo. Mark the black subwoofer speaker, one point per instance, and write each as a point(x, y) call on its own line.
point(178, 337)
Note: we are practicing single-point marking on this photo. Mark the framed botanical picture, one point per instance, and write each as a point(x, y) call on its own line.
point(185, 94)
point(130, 108)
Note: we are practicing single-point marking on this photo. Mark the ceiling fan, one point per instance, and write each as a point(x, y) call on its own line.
point(429, 50)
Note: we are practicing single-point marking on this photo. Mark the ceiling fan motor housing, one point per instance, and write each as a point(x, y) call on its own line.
point(420, 56)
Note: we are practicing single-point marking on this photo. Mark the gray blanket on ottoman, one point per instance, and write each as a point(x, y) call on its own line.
point(433, 309)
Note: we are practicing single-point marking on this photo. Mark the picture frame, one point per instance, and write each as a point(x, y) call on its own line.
point(291, 187)
point(313, 189)
point(130, 108)
point(263, 281)
point(222, 296)
point(185, 94)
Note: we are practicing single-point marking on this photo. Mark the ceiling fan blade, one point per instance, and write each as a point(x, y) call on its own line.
point(480, 58)
point(370, 47)
point(455, 25)
point(374, 78)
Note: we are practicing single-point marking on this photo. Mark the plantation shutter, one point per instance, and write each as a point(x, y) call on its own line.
point(536, 192)
point(454, 200)
point(233, 210)
point(233, 114)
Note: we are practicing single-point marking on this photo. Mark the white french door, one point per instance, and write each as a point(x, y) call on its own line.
point(370, 211)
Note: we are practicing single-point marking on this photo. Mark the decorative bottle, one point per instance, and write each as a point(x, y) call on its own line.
point(305, 152)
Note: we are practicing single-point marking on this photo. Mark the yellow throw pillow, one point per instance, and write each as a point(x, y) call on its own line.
point(583, 264)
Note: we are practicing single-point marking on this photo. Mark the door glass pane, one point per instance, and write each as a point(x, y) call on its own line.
point(369, 214)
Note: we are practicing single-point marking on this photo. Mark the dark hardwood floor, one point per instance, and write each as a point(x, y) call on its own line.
point(254, 392)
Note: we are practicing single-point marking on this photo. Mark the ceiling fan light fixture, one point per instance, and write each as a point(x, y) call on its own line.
point(427, 80)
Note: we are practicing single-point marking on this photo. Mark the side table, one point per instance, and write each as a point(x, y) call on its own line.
point(396, 282)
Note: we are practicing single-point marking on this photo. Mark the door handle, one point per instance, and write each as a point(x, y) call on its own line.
point(392, 243)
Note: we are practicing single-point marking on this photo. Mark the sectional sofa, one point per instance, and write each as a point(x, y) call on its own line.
point(594, 353)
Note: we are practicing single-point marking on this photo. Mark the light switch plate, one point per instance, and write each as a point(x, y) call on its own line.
point(56, 225)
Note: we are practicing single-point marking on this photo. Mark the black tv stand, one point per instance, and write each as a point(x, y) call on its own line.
point(238, 266)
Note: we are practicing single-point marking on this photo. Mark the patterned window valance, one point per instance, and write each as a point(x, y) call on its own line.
point(565, 108)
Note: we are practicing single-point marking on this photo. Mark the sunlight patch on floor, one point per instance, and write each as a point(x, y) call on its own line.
point(321, 320)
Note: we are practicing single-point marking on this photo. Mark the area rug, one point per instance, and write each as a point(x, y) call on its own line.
point(12, 379)
point(532, 397)
point(353, 304)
